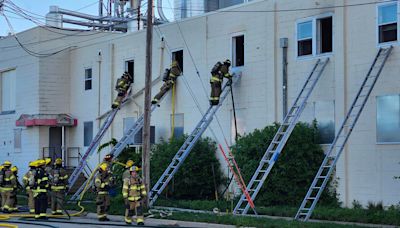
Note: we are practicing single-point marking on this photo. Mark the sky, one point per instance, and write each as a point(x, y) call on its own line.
point(41, 7)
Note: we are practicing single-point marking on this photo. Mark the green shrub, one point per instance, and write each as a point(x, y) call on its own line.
point(294, 171)
point(195, 178)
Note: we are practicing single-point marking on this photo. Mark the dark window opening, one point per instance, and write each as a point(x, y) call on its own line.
point(130, 68)
point(178, 56)
point(88, 79)
point(238, 51)
point(325, 35)
point(388, 33)
point(305, 47)
point(87, 133)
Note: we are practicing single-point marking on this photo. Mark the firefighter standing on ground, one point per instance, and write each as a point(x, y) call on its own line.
point(122, 87)
point(218, 73)
point(134, 192)
point(6, 168)
point(103, 182)
point(169, 79)
point(59, 183)
point(28, 181)
point(40, 188)
point(10, 189)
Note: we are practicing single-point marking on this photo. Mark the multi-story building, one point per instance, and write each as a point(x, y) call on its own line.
point(59, 100)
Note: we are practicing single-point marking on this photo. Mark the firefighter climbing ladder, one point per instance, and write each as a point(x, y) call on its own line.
point(321, 179)
point(187, 146)
point(282, 135)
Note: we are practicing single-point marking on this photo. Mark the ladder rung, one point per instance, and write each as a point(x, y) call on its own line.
point(311, 198)
point(315, 187)
point(321, 177)
point(303, 213)
point(327, 166)
point(275, 142)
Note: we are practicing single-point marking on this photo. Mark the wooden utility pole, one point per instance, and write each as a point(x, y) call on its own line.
point(147, 99)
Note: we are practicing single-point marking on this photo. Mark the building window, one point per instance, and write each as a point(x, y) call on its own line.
point(238, 51)
point(177, 125)
point(178, 56)
point(88, 79)
point(17, 140)
point(129, 122)
point(130, 68)
point(388, 119)
point(387, 22)
point(304, 38)
point(87, 133)
point(315, 36)
point(8, 90)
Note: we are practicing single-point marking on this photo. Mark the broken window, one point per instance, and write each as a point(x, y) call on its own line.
point(324, 35)
point(387, 22)
point(238, 51)
point(304, 38)
point(178, 56)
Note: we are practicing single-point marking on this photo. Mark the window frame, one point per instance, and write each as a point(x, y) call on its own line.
point(125, 67)
point(376, 120)
point(7, 112)
point(314, 20)
point(85, 79)
point(183, 58)
point(385, 44)
point(87, 122)
point(233, 49)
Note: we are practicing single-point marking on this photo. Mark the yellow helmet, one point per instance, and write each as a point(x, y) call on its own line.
point(7, 164)
point(47, 161)
point(58, 161)
point(103, 166)
point(14, 169)
point(129, 164)
point(40, 162)
point(1, 167)
point(32, 164)
point(133, 169)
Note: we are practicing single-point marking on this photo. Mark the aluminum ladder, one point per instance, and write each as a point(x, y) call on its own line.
point(321, 179)
point(120, 146)
point(187, 146)
point(282, 135)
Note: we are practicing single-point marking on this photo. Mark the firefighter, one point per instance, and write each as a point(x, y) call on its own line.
point(6, 167)
point(10, 189)
point(103, 183)
point(59, 184)
point(134, 193)
point(126, 173)
point(218, 73)
point(169, 79)
point(122, 87)
point(28, 181)
point(40, 187)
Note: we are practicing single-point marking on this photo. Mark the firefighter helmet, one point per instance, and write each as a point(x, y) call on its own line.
point(1, 167)
point(47, 161)
point(32, 164)
point(41, 162)
point(227, 62)
point(58, 161)
point(129, 164)
point(133, 169)
point(103, 167)
point(108, 157)
point(14, 169)
point(7, 164)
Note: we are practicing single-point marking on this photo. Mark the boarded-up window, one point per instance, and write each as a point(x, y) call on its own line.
point(8, 90)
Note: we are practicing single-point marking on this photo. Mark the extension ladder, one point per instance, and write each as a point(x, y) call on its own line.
point(282, 135)
point(321, 179)
point(187, 146)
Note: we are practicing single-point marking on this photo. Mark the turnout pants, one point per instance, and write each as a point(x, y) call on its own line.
point(215, 93)
point(118, 100)
point(31, 201)
point(3, 199)
point(57, 199)
point(163, 90)
point(41, 205)
point(103, 205)
point(133, 208)
point(10, 204)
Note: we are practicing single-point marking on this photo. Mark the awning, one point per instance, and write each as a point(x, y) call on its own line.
point(53, 120)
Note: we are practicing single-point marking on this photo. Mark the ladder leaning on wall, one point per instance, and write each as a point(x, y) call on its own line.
point(322, 177)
